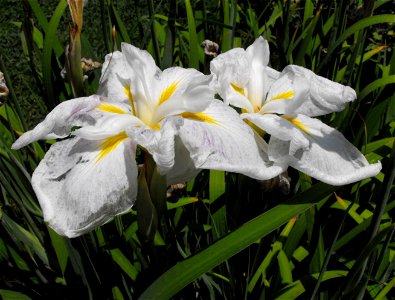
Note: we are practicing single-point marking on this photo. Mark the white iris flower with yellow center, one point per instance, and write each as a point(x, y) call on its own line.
point(282, 105)
point(84, 181)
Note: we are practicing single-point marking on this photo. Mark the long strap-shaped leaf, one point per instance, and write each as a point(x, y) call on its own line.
point(188, 270)
point(361, 24)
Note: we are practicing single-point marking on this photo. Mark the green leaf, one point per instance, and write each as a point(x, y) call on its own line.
point(49, 45)
point(12, 295)
point(285, 268)
point(387, 288)
point(378, 83)
point(120, 25)
point(194, 46)
point(25, 238)
point(172, 281)
point(60, 247)
point(121, 260)
point(361, 24)
point(182, 202)
point(116, 293)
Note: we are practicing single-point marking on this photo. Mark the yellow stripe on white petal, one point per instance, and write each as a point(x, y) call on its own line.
point(111, 108)
point(168, 92)
point(109, 144)
point(128, 93)
point(238, 89)
point(329, 157)
point(298, 124)
point(283, 96)
point(199, 117)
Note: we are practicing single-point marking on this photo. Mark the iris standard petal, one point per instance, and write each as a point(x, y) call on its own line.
point(300, 91)
point(115, 79)
point(261, 76)
point(329, 157)
point(144, 67)
point(231, 72)
point(259, 53)
point(60, 120)
point(82, 184)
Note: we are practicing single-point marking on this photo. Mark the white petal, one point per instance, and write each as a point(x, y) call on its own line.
point(232, 69)
point(78, 192)
point(180, 90)
point(60, 120)
point(281, 129)
point(116, 77)
point(108, 126)
point(329, 157)
point(312, 95)
point(261, 76)
point(170, 155)
point(225, 142)
point(144, 67)
point(259, 53)
point(159, 143)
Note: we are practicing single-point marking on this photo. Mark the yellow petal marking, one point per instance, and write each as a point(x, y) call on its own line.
point(285, 95)
point(155, 127)
point(238, 89)
point(109, 144)
point(168, 92)
point(111, 108)
point(298, 124)
point(199, 117)
point(258, 130)
point(129, 95)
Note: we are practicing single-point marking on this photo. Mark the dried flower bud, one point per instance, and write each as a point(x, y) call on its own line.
point(210, 48)
point(3, 87)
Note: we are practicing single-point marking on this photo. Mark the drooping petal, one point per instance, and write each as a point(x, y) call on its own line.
point(300, 91)
point(82, 184)
point(60, 120)
point(231, 72)
point(219, 139)
point(280, 128)
point(180, 90)
point(329, 156)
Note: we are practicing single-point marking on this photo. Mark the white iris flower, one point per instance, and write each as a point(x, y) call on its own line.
point(282, 105)
point(84, 181)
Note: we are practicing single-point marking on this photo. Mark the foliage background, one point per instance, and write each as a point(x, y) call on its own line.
point(224, 235)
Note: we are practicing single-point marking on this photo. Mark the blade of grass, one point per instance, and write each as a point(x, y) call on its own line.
point(49, 44)
point(366, 22)
point(194, 46)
